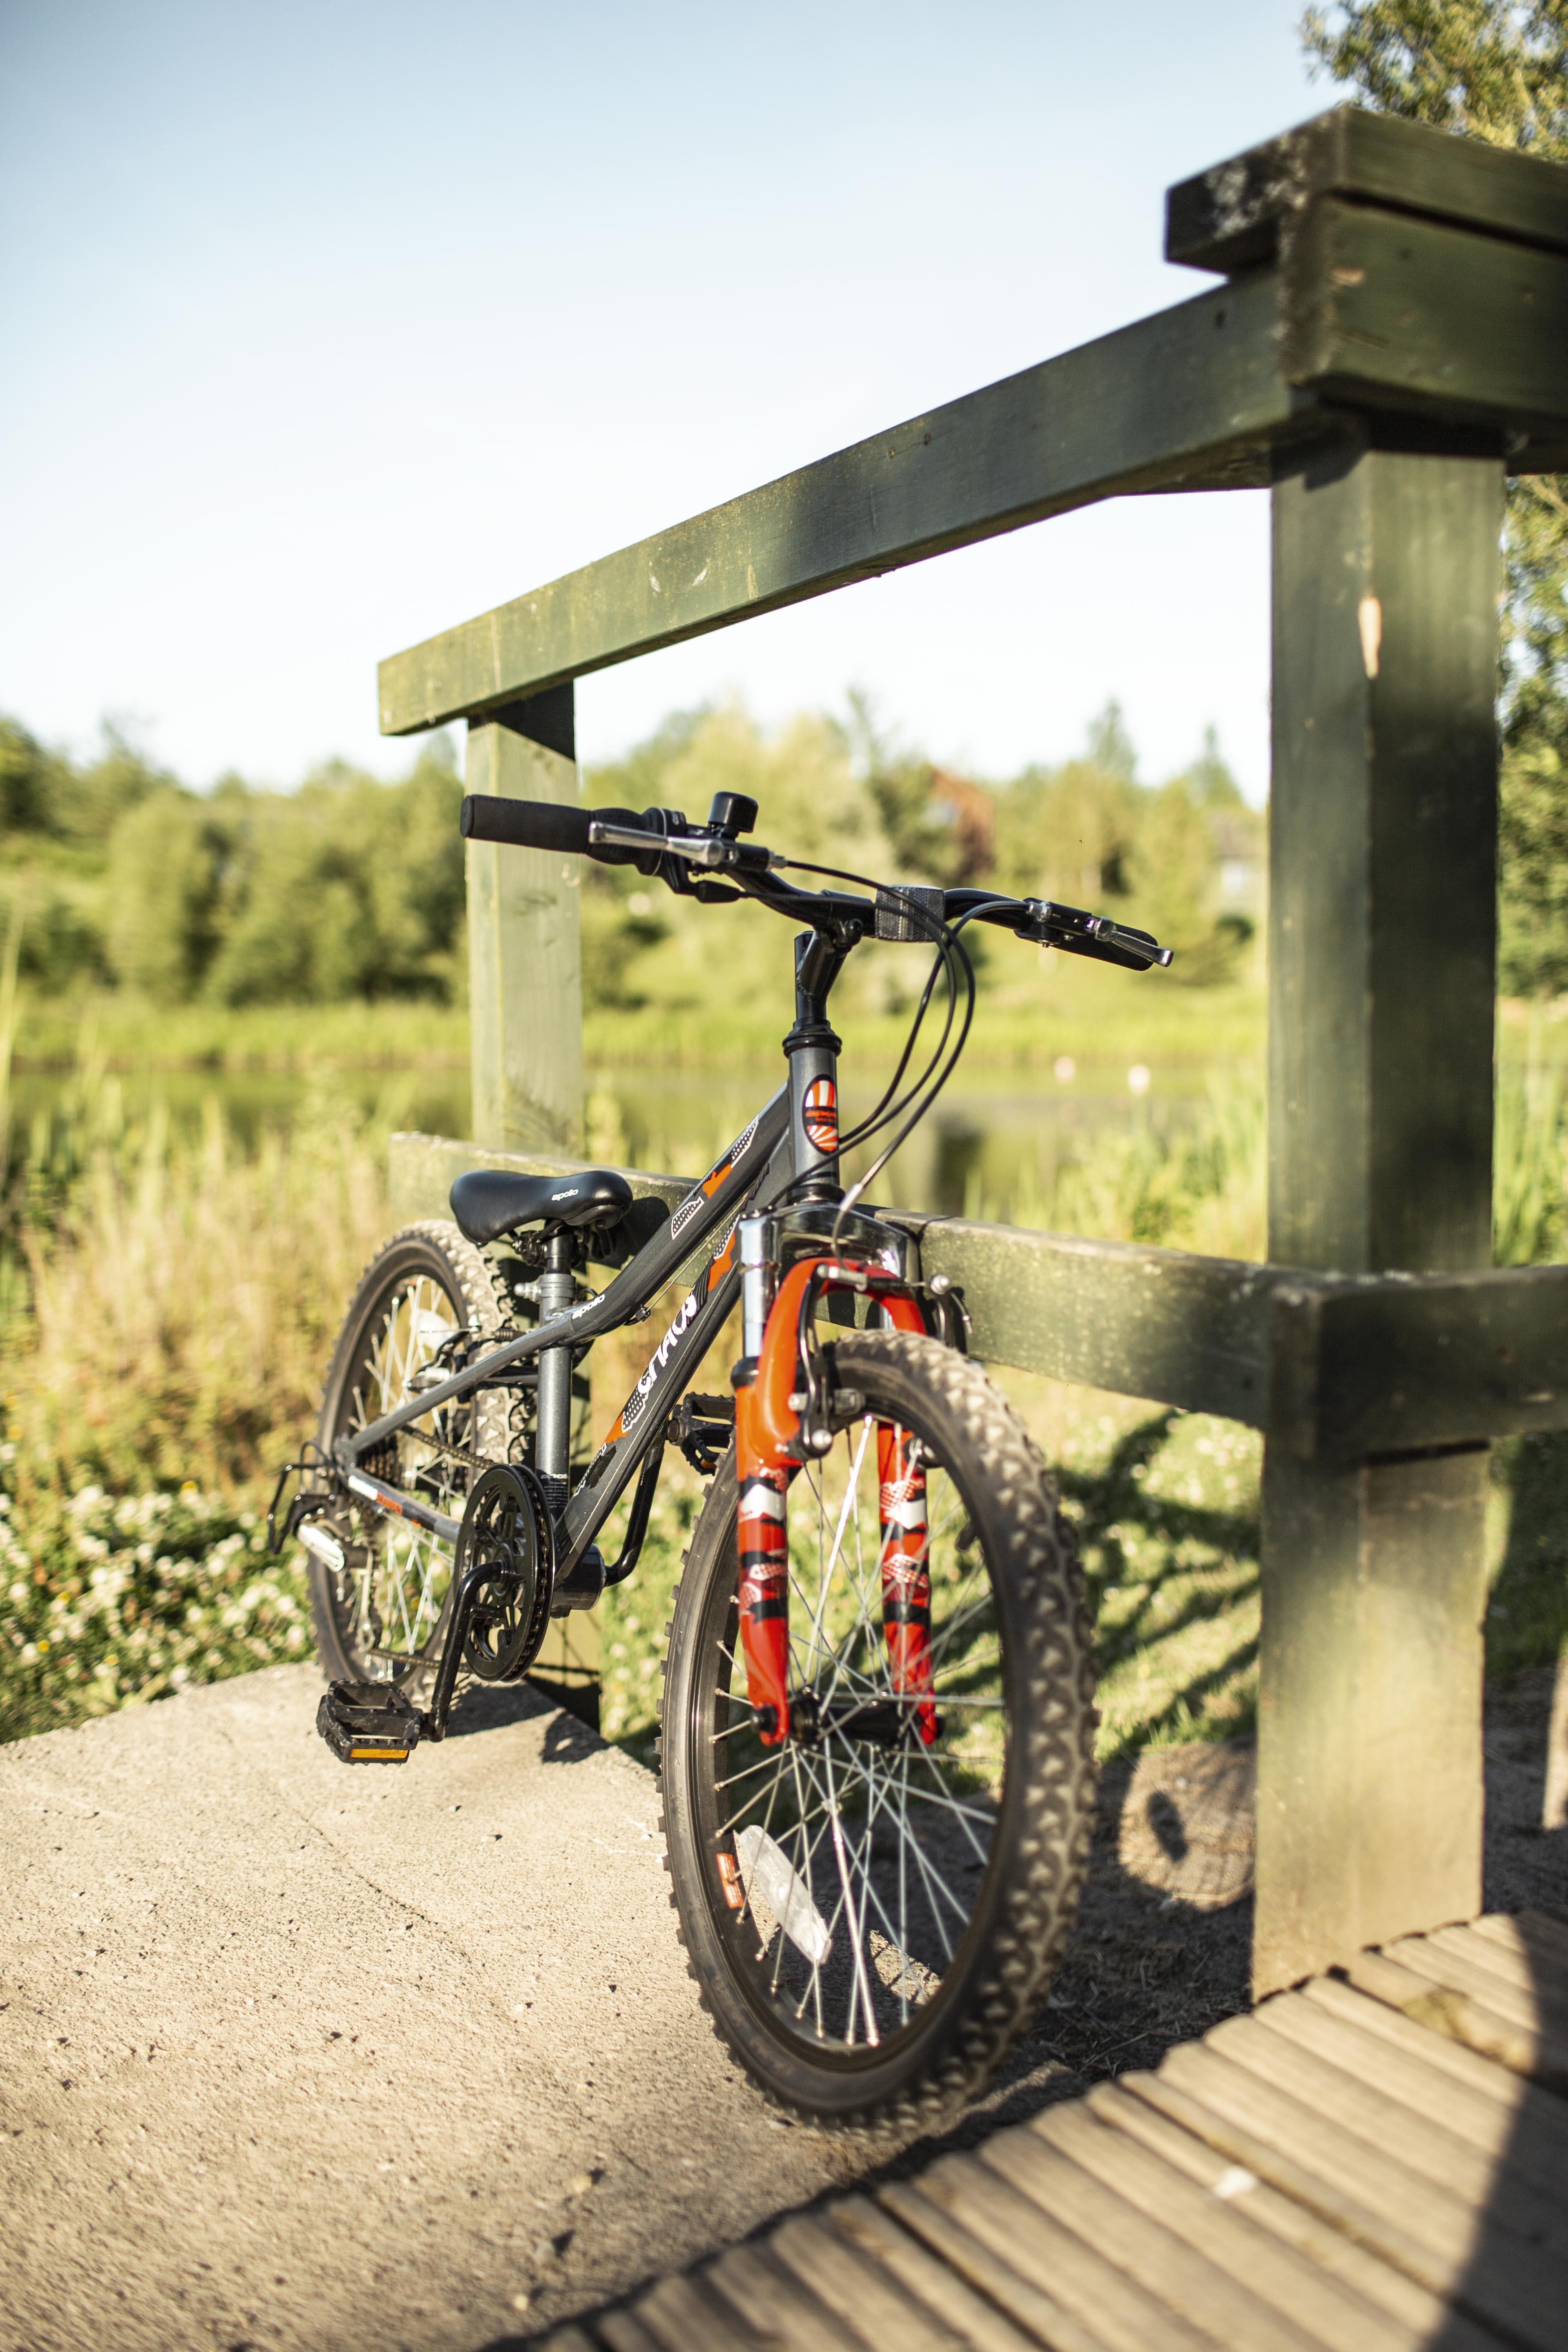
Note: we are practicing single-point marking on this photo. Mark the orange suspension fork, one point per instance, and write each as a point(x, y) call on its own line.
point(906, 1571)
point(767, 1430)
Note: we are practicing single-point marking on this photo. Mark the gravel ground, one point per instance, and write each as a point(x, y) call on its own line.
point(294, 2058)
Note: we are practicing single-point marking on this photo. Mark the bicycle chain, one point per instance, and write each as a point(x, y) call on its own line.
point(449, 1445)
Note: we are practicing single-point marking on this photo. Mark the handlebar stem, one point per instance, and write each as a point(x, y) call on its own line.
point(813, 1048)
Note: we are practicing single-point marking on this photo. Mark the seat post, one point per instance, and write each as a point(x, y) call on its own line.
point(553, 1449)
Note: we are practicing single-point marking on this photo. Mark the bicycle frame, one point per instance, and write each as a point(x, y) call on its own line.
point(738, 1173)
point(790, 1149)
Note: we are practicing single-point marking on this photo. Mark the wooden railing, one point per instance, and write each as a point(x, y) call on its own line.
point(1387, 345)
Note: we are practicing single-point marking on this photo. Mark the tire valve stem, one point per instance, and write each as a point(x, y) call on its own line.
point(730, 1880)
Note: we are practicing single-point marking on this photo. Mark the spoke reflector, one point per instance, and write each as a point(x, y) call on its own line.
point(768, 1873)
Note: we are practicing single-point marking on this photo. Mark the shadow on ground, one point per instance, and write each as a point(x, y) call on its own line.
point(1161, 1950)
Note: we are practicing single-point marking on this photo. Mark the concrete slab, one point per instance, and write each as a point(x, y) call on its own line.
point(296, 2055)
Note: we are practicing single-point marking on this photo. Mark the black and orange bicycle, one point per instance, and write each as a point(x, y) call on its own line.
point(877, 1717)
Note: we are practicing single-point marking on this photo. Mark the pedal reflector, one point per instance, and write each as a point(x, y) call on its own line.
point(368, 1723)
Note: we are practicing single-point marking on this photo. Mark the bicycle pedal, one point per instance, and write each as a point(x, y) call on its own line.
point(368, 1723)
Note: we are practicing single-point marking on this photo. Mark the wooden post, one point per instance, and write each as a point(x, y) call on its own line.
point(526, 1022)
point(525, 978)
point(1383, 926)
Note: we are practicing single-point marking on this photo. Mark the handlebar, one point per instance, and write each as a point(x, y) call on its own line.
point(660, 842)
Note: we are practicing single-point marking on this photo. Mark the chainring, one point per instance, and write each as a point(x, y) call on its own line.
point(505, 1526)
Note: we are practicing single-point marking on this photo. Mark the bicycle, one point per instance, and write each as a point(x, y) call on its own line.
point(876, 1727)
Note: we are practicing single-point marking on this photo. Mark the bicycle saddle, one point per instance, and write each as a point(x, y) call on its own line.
point(488, 1201)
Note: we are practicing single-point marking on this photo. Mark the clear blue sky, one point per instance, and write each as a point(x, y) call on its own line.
point(329, 326)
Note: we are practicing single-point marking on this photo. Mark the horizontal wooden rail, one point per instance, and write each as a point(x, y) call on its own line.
point(1190, 399)
point(1336, 1368)
point(1388, 1364)
point(1389, 283)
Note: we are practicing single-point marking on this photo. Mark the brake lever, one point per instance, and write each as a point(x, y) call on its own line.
point(1081, 933)
point(693, 849)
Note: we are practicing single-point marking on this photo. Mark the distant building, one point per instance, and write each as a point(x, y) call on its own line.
point(969, 813)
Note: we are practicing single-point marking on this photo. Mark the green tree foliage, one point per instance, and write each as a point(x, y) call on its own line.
point(923, 827)
point(641, 945)
point(27, 781)
point(1090, 834)
point(165, 858)
point(351, 889)
point(1067, 833)
point(347, 888)
point(55, 818)
point(1496, 70)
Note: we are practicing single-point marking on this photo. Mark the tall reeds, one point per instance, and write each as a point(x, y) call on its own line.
point(166, 1306)
point(172, 1298)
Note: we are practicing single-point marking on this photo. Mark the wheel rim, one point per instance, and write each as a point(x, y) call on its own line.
point(390, 1597)
point(882, 1849)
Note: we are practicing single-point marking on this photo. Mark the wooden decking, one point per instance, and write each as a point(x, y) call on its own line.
point(1378, 2160)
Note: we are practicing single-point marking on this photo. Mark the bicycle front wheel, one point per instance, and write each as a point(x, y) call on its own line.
point(871, 1916)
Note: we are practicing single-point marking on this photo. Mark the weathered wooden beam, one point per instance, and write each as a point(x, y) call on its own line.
point(1414, 271)
point(1427, 319)
point(1364, 1369)
point(1191, 1331)
point(1382, 944)
point(1383, 858)
point(1190, 399)
point(1243, 211)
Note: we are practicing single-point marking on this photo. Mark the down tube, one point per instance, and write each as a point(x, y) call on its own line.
point(642, 1417)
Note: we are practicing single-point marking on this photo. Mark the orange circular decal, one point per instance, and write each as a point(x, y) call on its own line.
point(821, 1109)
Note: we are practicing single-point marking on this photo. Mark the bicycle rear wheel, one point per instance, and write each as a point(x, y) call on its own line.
point(871, 1919)
point(382, 1616)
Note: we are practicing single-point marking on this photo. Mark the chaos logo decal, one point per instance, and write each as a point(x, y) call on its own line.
point(631, 1412)
point(821, 1113)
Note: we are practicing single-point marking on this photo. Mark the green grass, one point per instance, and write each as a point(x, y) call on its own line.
point(120, 1031)
point(1093, 1015)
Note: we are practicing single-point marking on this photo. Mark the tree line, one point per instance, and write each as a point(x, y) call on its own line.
point(353, 888)
point(118, 876)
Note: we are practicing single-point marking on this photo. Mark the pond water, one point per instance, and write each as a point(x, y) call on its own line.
point(993, 1144)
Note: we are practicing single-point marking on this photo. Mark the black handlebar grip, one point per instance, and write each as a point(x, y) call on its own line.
point(526, 825)
point(552, 826)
